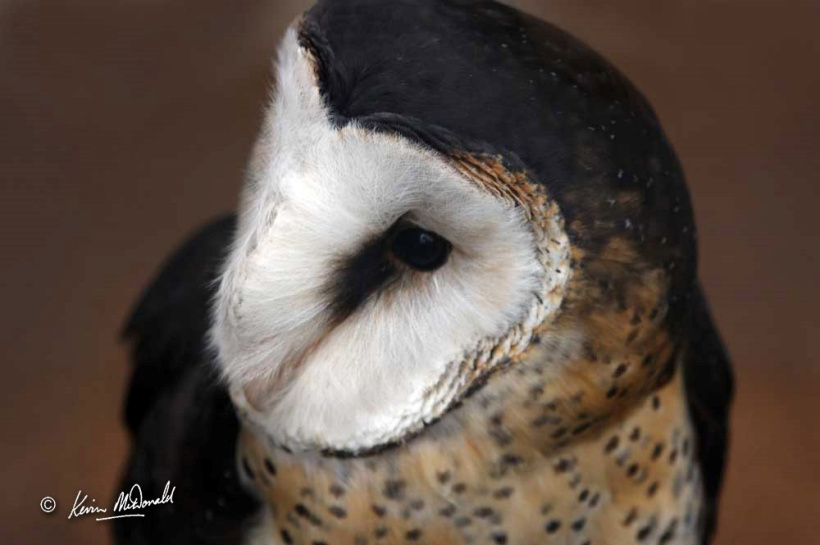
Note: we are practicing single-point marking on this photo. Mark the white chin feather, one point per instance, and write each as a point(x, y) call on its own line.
point(316, 194)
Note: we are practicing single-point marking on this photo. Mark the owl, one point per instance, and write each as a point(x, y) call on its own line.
point(458, 304)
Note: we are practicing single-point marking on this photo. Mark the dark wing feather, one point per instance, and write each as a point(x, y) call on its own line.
point(182, 423)
point(709, 390)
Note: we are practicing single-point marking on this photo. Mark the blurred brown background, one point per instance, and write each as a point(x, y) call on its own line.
point(125, 124)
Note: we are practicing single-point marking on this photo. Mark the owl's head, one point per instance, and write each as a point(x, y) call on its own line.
point(399, 239)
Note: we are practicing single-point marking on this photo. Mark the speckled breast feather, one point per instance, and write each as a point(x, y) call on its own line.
point(502, 477)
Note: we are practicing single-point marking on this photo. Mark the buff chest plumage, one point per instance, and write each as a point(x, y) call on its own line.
point(459, 303)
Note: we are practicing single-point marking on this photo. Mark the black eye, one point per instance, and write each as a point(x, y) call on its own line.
point(421, 249)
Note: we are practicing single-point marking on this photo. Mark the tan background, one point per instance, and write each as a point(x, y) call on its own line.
point(124, 124)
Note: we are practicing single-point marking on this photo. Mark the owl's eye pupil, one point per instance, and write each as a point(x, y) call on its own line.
point(421, 249)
